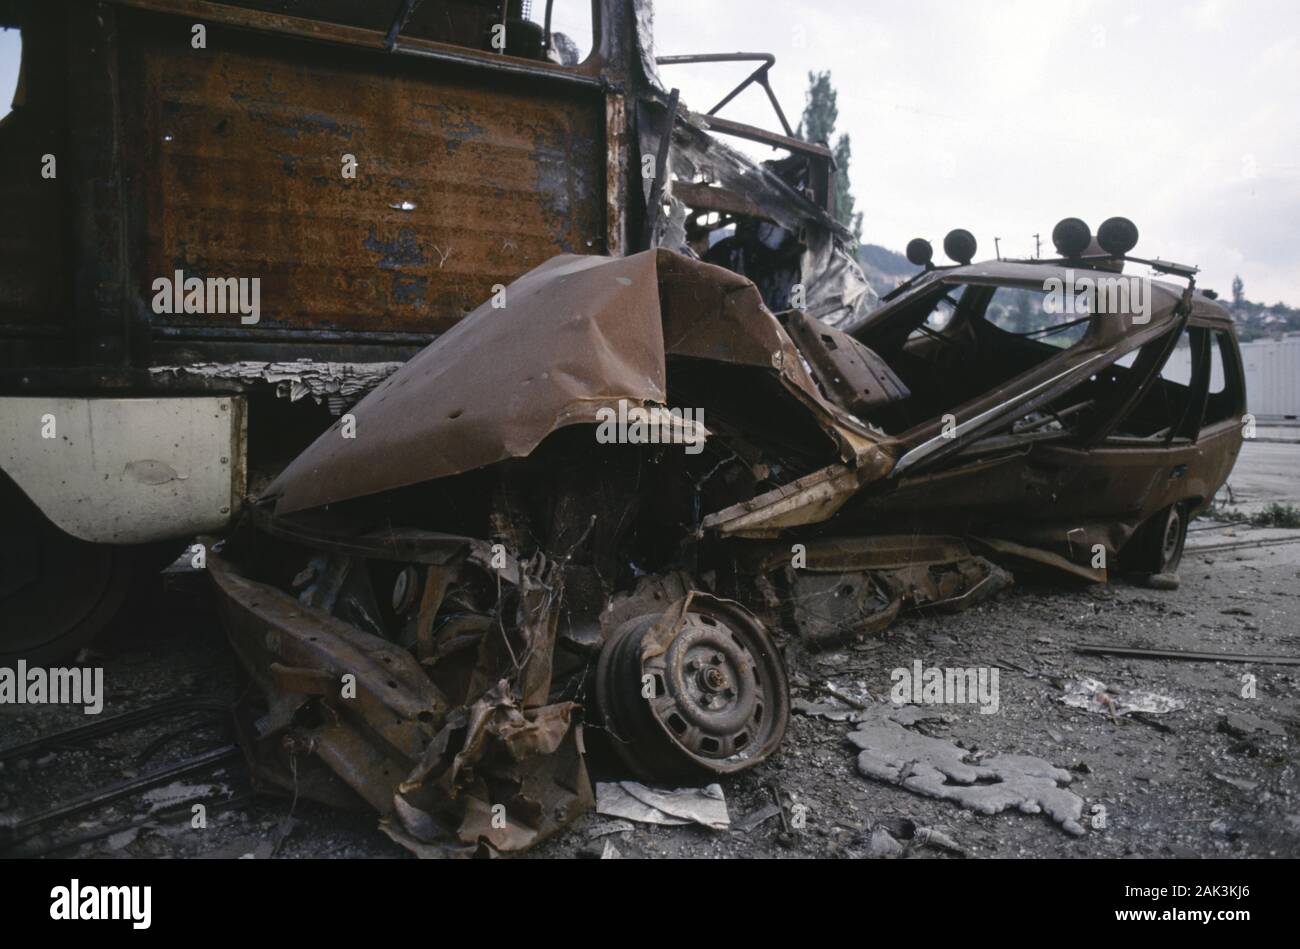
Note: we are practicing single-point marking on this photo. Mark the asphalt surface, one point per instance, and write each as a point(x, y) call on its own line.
point(1266, 472)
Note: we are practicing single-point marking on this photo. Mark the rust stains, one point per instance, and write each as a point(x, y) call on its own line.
point(482, 180)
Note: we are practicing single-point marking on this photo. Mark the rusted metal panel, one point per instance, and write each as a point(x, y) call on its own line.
point(98, 217)
point(503, 768)
point(453, 31)
point(704, 197)
point(616, 170)
point(237, 170)
point(227, 162)
point(579, 334)
point(852, 375)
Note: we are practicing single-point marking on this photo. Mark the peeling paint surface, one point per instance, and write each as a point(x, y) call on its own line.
point(295, 379)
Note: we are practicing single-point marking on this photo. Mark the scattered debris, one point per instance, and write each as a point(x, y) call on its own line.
point(1164, 581)
point(251, 848)
point(929, 837)
point(1154, 723)
point(831, 711)
point(883, 845)
point(786, 837)
point(15, 832)
point(835, 692)
point(1093, 695)
point(110, 724)
point(913, 714)
point(178, 792)
point(1103, 649)
point(606, 828)
point(628, 799)
point(751, 821)
point(1241, 784)
point(937, 768)
point(1007, 663)
point(918, 837)
point(1243, 725)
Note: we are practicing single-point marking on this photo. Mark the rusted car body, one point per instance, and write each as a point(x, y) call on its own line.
point(642, 587)
point(506, 555)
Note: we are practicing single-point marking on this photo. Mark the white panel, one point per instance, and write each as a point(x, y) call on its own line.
point(127, 470)
point(1272, 376)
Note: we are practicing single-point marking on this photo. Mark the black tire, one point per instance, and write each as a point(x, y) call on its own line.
point(1157, 547)
point(721, 702)
point(56, 592)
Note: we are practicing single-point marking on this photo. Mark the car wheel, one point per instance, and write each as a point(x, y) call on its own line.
point(720, 702)
point(1160, 541)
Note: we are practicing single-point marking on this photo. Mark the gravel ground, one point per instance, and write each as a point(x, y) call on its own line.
point(1207, 783)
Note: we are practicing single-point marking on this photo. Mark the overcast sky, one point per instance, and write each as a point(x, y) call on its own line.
point(1003, 116)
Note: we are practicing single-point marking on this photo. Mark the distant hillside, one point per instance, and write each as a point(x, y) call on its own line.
point(1258, 321)
point(885, 269)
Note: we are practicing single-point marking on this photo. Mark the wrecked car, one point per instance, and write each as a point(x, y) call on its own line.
point(501, 586)
point(551, 419)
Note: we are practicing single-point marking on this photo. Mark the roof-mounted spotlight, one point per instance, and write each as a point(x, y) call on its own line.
point(1117, 236)
point(920, 253)
point(960, 246)
point(1071, 237)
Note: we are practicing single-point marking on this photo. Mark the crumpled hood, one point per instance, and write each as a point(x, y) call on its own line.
point(576, 334)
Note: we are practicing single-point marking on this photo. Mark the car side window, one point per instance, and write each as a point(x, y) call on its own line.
point(1171, 407)
point(1224, 400)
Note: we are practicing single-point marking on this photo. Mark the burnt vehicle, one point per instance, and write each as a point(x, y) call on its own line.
point(610, 500)
point(630, 422)
point(363, 174)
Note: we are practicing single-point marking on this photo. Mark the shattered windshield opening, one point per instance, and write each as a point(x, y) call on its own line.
point(1034, 314)
point(954, 343)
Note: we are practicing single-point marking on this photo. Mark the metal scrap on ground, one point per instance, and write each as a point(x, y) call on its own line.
point(1095, 696)
point(633, 801)
point(1102, 649)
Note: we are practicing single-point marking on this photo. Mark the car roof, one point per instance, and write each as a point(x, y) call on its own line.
point(1164, 294)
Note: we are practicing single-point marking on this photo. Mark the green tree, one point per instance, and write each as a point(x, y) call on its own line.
point(818, 125)
point(820, 110)
point(1238, 291)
